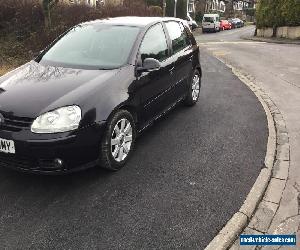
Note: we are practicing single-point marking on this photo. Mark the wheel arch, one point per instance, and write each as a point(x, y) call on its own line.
point(199, 69)
point(131, 109)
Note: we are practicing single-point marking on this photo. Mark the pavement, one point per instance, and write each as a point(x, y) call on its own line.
point(272, 40)
point(274, 68)
point(188, 175)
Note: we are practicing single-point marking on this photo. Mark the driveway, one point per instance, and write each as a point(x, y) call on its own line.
point(189, 174)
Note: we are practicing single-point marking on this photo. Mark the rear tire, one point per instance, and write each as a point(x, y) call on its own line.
point(194, 89)
point(118, 141)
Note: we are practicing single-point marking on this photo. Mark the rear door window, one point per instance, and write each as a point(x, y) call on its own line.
point(208, 19)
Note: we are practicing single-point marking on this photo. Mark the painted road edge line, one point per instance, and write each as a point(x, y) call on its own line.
point(235, 226)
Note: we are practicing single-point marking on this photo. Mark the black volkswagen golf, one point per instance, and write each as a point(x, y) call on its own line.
point(86, 97)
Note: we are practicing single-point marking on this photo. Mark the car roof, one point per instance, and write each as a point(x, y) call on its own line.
point(132, 21)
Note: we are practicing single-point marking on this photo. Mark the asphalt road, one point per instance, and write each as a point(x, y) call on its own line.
point(225, 36)
point(189, 174)
point(276, 69)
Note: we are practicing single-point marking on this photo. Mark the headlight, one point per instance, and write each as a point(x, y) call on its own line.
point(59, 120)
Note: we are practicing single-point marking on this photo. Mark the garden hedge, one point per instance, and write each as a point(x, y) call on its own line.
point(275, 13)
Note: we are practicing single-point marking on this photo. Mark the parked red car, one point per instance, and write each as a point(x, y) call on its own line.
point(225, 25)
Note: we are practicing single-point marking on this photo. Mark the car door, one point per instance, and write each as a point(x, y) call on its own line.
point(182, 55)
point(154, 85)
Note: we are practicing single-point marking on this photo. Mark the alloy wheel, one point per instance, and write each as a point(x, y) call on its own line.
point(195, 87)
point(121, 140)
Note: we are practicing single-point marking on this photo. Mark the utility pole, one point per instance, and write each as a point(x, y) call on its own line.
point(164, 7)
point(175, 8)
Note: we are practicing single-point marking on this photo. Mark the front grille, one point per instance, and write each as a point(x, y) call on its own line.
point(11, 161)
point(15, 123)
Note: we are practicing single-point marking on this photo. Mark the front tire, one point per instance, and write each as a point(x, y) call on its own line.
point(118, 141)
point(194, 89)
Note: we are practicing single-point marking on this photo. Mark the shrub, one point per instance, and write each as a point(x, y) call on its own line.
point(250, 11)
point(275, 13)
point(20, 17)
point(154, 2)
point(290, 12)
point(23, 31)
point(156, 10)
point(199, 17)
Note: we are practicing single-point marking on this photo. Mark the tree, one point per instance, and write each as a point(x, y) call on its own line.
point(229, 12)
point(47, 6)
point(275, 18)
point(290, 12)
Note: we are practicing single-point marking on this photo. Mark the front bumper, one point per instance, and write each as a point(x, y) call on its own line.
point(41, 153)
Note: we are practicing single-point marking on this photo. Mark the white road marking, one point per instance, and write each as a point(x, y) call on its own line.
point(227, 42)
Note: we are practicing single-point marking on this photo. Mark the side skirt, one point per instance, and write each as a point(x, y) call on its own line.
point(163, 113)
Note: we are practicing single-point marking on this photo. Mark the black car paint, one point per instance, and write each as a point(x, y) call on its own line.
point(34, 89)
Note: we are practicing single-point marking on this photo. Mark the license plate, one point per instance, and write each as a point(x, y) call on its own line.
point(7, 146)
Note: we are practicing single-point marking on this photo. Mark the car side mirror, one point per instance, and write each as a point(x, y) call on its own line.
point(149, 64)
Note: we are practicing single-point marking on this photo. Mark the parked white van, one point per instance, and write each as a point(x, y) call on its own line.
point(211, 22)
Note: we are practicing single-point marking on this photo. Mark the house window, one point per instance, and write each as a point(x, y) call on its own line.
point(191, 7)
point(222, 6)
point(240, 5)
point(213, 5)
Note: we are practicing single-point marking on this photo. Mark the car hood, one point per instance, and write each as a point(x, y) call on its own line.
point(34, 89)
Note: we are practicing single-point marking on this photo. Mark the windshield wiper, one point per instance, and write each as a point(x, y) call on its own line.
point(107, 68)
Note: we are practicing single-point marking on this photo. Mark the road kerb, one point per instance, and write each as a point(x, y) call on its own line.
point(271, 40)
point(230, 232)
point(233, 228)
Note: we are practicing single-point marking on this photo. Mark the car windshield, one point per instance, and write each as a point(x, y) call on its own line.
point(208, 19)
point(92, 47)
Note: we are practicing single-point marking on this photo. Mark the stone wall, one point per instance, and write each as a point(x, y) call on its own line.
point(265, 32)
point(288, 32)
point(281, 32)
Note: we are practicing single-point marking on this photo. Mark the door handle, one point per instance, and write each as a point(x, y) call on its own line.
point(172, 70)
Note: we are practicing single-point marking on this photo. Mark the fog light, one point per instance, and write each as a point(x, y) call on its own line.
point(58, 163)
